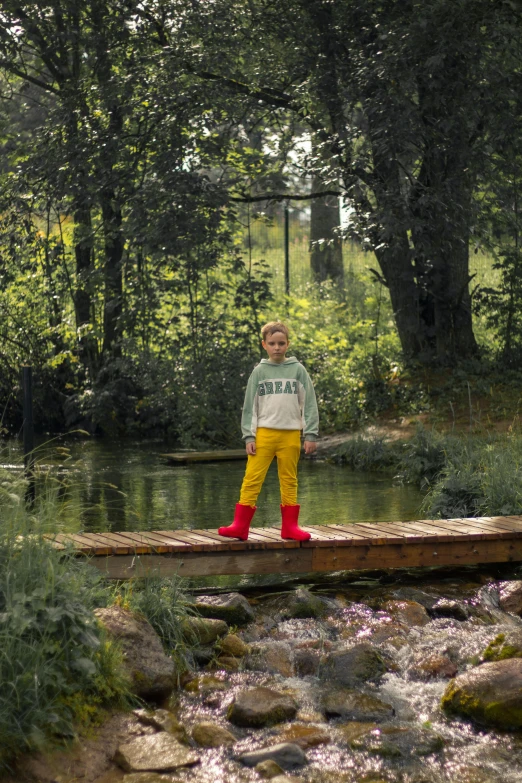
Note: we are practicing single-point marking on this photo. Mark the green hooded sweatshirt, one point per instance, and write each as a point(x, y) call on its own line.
point(280, 396)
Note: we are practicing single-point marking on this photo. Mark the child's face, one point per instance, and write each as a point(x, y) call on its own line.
point(276, 345)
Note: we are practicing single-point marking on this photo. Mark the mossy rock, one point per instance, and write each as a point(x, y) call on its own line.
point(504, 646)
point(203, 631)
point(302, 604)
point(353, 666)
point(261, 707)
point(490, 694)
point(233, 608)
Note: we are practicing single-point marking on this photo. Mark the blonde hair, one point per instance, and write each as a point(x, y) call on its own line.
point(272, 327)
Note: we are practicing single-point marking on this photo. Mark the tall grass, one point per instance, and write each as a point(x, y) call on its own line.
point(57, 669)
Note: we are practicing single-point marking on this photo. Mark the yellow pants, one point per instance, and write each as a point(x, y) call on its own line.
point(286, 446)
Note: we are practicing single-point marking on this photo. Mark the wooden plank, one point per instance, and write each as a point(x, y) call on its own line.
point(378, 537)
point(416, 555)
point(206, 564)
point(319, 537)
point(445, 530)
point(196, 542)
point(341, 535)
point(463, 528)
point(165, 542)
point(205, 456)
point(357, 536)
point(234, 543)
point(422, 533)
point(112, 540)
point(84, 544)
point(410, 534)
point(349, 531)
point(51, 539)
point(500, 523)
point(140, 542)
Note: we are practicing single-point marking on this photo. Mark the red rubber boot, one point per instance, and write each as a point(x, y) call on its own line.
point(289, 526)
point(241, 524)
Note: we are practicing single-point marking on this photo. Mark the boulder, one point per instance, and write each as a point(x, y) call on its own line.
point(203, 631)
point(399, 742)
point(233, 646)
point(233, 608)
point(286, 779)
point(268, 769)
point(409, 613)
point(261, 707)
point(352, 705)
point(301, 603)
point(211, 735)
point(306, 662)
point(353, 666)
point(163, 720)
point(154, 753)
point(504, 645)
point(271, 657)
point(226, 662)
point(205, 684)
point(353, 730)
point(490, 694)
point(445, 607)
point(305, 736)
point(152, 673)
point(432, 667)
point(414, 594)
point(288, 755)
point(510, 596)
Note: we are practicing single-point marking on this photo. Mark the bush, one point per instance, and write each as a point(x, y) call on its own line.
point(57, 669)
point(371, 453)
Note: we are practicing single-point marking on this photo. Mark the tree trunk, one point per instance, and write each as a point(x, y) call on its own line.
point(326, 249)
point(112, 327)
point(83, 250)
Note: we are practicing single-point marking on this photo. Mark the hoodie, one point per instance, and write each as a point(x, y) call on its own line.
point(282, 397)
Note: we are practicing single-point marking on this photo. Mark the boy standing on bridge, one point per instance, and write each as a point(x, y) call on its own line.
point(279, 403)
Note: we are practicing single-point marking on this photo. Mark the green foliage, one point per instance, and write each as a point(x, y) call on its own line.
point(366, 454)
point(163, 602)
point(58, 671)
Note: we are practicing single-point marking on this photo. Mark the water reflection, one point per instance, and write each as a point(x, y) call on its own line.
point(129, 486)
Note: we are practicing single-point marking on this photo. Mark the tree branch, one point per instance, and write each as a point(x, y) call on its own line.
point(27, 77)
point(284, 196)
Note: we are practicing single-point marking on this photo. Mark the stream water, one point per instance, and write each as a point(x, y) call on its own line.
point(130, 486)
point(416, 742)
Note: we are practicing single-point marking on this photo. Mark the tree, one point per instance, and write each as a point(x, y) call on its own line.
point(397, 97)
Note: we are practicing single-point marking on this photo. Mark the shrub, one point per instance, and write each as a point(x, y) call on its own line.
point(57, 669)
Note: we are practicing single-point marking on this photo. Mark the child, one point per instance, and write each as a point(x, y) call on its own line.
point(279, 403)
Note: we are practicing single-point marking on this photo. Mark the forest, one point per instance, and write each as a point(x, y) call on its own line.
point(146, 146)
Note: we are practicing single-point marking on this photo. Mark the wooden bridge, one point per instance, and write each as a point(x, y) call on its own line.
point(362, 545)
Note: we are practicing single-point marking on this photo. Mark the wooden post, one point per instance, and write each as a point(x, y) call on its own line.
point(287, 252)
point(28, 430)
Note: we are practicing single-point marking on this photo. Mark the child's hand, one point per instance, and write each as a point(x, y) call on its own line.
point(310, 446)
point(251, 448)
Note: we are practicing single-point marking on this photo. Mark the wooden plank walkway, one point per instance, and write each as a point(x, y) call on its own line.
point(363, 545)
point(185, 457)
